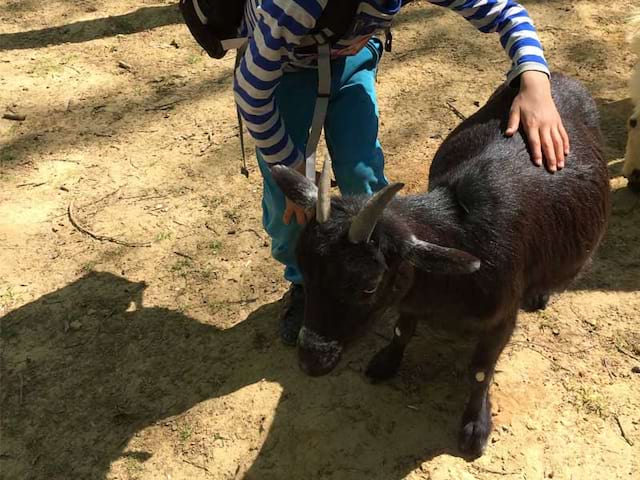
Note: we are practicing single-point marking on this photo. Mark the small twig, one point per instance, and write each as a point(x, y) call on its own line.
point(628, 354)
point(458, 113)
point(124, 65)
point(164, 106)
point(624, 434)
point(16, 117)
point(102, 238)
point(204, 149)
point(66, 160)
point(605, 364)
point(210, 228)
point(90, 203)
point(201, 467)
point(31, 184)
point(144, 197)
point(252, 230)
point(544, 354)
point(490, 470)
point(184, 255)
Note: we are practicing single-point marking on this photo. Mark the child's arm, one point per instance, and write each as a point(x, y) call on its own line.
point(511, 21)
point(280, 26)
point(533, 107)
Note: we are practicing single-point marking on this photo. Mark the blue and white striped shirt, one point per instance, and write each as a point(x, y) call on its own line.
point(276, 28)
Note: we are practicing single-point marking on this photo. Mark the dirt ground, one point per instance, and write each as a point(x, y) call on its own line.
point(162, 361)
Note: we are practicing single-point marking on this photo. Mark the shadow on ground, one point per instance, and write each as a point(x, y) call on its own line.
point(71, 401)
point(145, 18)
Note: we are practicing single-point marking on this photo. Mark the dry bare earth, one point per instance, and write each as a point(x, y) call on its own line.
point(162, 362)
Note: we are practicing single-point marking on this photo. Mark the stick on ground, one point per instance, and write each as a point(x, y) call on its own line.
point(458, 113)
point(624, 434)
point(101, 238)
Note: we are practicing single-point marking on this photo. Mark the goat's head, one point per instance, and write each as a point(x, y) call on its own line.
point(352, 257)
point(631, 168)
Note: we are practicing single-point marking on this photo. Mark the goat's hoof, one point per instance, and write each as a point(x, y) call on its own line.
point(384, 364)
point(536, 302)
point(474, 436)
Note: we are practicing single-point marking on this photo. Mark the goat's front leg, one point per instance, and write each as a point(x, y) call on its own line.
point(386, 362)
point(476, 421)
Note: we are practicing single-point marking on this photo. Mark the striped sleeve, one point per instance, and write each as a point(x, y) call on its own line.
point(511, 21)
point(279, 27)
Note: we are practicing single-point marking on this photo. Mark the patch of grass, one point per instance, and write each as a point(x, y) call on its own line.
point(133, 466)
point(592, 401)
point(181, 266)
point(163, 236)
point(89, 266)
point(185, 432)
point(211, 201)
point(8, 295)
point(46, 67)
point(215, 246)
point(7, 155)
point(232, 215)
point(194, 59)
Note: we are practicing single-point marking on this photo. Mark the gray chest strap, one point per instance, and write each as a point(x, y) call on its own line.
point(319, 112)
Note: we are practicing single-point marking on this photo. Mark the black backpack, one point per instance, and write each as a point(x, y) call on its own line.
point(214, 23)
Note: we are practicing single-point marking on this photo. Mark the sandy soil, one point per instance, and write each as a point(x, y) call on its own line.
point(162, 362)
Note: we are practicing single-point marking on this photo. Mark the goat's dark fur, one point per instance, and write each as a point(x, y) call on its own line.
point(531, 230)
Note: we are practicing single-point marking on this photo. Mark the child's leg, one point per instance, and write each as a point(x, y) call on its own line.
point(295, 97)
point(352, 124)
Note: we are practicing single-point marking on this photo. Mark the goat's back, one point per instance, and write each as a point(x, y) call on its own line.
point(528, 226)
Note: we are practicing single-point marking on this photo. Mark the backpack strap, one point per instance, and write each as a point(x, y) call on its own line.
point(243, 168)
point(320, 109)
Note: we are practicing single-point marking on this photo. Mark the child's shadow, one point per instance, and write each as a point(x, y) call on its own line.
point(71, 400)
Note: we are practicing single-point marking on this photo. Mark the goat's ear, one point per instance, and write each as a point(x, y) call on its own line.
point(295, 186)
point(437, 259)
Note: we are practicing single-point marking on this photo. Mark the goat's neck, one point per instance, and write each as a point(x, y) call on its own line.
point(434, 216)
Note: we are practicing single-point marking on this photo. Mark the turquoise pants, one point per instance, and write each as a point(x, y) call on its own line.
point(351, 132)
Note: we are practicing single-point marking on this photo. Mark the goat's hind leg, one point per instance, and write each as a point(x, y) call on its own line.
point(476, 421)
point(386, 362)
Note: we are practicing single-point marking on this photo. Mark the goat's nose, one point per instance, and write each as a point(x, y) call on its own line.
point(316, 354)
point(317, 363)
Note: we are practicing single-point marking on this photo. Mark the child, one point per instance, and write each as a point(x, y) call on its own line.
point(276, 85)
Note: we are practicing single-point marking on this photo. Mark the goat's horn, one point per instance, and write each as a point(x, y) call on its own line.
point(364, 223)
point(323, 207)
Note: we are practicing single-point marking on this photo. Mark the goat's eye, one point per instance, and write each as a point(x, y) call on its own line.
point(370, 291)
point(633, 122)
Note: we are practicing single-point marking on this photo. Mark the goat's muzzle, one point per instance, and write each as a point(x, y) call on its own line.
point(317, 355)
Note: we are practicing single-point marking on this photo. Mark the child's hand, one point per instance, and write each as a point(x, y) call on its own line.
point(293, 210)
point(534, 108)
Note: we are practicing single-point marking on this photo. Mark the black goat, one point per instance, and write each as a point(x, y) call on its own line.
point(493, 234)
